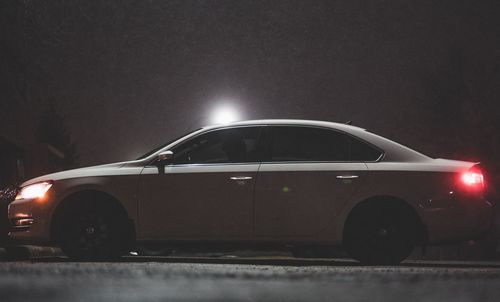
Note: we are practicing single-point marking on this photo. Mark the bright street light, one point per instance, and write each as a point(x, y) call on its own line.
point(224, 115)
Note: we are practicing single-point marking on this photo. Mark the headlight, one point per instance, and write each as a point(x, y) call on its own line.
point(33, 191)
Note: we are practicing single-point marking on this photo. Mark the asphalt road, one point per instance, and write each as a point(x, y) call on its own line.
point(237, 279)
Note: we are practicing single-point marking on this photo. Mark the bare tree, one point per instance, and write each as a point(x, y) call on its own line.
point(52, 130)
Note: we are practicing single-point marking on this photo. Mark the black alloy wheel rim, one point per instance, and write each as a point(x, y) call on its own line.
point(93, 231)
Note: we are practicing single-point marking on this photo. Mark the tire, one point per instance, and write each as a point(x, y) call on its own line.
point(381, 233)
point(94, 231)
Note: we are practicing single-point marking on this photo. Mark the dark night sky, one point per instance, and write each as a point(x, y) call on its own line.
point(129, 75)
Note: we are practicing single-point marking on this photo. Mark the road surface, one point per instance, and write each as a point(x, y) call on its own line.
point(235, 279)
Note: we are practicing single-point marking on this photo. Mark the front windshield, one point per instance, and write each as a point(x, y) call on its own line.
point(165, 144)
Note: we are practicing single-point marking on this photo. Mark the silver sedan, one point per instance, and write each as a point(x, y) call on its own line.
point(290, 183)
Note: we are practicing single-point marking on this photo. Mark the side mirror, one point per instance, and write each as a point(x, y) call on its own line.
point(162, 159)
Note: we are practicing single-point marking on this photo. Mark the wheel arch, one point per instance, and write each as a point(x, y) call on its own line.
point(388, 200)
point(81, 196)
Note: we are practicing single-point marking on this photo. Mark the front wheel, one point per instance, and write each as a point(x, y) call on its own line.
point(380, 234)
point(89, 231)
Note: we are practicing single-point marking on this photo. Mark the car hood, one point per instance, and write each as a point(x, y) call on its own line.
point(101, 170)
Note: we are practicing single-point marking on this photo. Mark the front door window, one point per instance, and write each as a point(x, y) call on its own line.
point(235, 145)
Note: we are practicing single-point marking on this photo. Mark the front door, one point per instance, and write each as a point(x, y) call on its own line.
point(207, 193)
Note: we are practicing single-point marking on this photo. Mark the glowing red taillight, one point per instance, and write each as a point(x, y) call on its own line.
point(472, 179)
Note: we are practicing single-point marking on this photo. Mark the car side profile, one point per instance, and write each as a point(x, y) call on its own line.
point(292, 183)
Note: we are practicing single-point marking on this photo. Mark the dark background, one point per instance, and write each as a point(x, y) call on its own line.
point(129, 75)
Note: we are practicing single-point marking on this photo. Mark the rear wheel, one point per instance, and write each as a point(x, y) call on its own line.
point(93, 231)
point(381, 233)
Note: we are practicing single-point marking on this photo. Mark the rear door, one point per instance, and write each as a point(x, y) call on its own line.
point(308, 176)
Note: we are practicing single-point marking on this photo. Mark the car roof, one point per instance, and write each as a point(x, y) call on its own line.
point(297, 122)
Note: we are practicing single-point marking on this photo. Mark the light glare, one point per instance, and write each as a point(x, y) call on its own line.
point(224, 115)
point(33, 191)
point(473, 178)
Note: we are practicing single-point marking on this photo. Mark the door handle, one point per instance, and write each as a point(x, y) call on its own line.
point(346, 176)
point(241, 177)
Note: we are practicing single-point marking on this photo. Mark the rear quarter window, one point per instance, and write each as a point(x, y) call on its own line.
point(361, 151)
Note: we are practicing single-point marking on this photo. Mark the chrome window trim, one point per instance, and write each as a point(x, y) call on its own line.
point(201, 132)
point(208, 165)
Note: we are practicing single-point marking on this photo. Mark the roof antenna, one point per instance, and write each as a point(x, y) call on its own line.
point(348, 123)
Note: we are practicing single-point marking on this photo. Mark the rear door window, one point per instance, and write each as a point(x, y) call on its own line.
point(290, 143)
point(299, 144)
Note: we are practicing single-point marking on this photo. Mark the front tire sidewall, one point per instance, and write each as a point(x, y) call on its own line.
point(93, 232)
